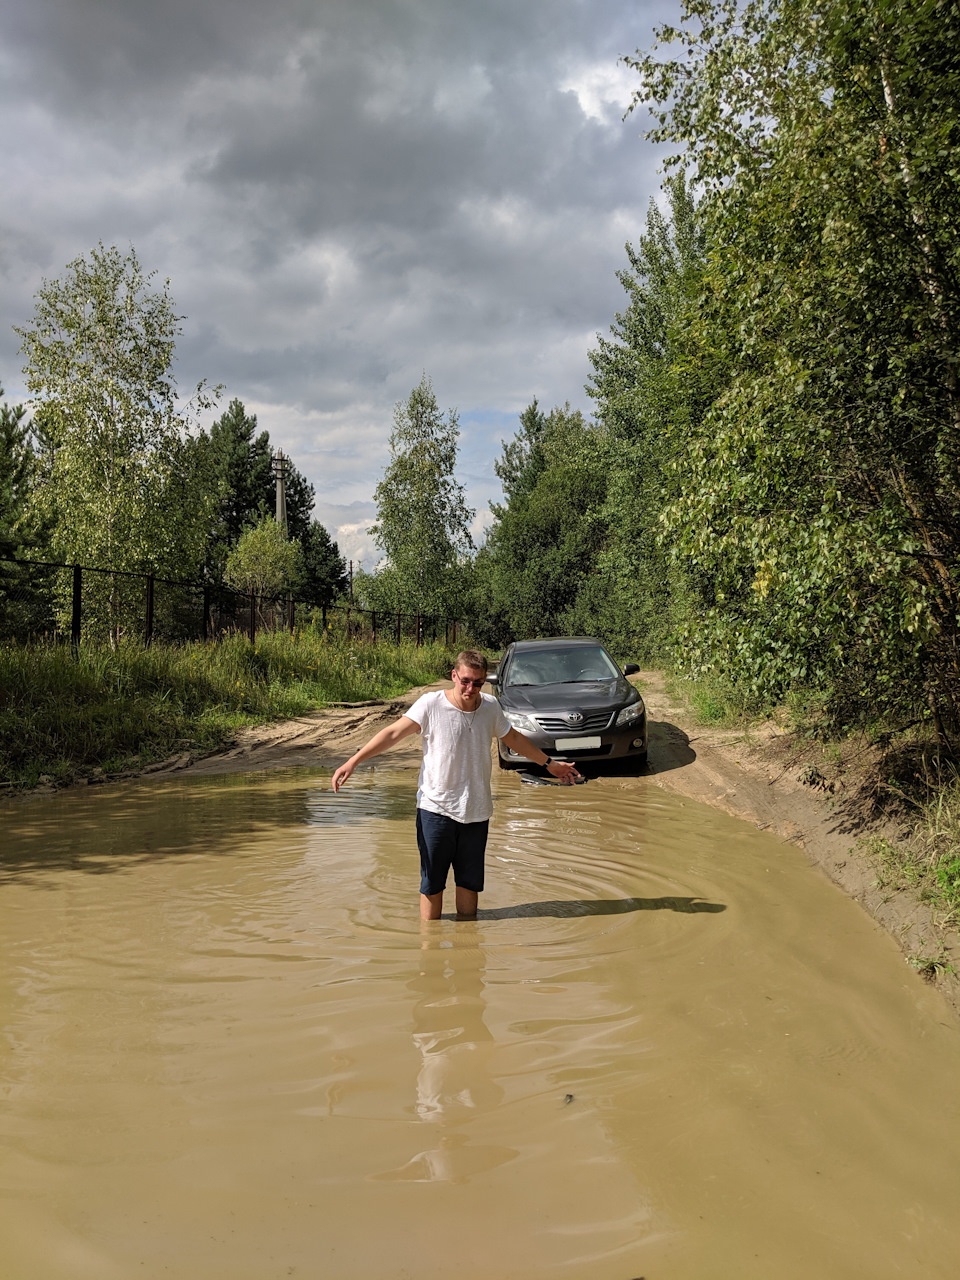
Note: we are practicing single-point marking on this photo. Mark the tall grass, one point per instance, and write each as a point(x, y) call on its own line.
point(928, 860)
point(64, 714)
point(714, 701)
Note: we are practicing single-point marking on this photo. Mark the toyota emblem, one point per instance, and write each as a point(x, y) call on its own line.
point(575, 717)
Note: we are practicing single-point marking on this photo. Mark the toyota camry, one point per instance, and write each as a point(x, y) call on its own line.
point(571, 699)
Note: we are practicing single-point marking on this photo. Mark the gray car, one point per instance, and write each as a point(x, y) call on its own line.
point(571, 699)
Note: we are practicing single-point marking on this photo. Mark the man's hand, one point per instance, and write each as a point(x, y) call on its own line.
point(563, 771)
point(342, 774)
point(382, 741)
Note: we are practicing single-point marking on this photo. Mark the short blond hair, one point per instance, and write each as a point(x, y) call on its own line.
point(471, 658)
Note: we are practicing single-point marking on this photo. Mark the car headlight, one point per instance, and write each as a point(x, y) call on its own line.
point(526, 724)
point(633, 712)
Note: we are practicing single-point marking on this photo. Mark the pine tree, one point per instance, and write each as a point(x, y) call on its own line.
point(241, 459)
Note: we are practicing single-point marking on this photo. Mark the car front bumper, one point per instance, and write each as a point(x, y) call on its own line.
point(613, 744)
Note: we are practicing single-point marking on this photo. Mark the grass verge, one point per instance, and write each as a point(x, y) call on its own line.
point(64, 715)
point(928, 860)
point(713, 701)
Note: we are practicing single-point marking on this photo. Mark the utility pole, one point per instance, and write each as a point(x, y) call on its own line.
point(279, 468)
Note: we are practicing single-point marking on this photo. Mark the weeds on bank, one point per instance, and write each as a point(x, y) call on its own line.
point(715, 702)
point(932, 966)
point(63, 714)
point(928, 861)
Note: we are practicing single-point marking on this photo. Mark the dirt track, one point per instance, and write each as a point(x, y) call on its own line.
point(749, 776)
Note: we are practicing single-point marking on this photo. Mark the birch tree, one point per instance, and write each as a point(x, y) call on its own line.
point(123, 482)
point(265, 561)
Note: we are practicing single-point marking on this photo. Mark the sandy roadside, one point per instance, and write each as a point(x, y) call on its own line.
point(750, 776)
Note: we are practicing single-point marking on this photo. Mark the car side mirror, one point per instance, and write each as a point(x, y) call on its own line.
point(493, 679)
point(631, 669)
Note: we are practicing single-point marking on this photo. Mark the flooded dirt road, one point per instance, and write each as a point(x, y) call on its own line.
point(668, 1047)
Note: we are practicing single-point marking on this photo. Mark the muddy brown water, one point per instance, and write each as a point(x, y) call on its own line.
point(668, 1048)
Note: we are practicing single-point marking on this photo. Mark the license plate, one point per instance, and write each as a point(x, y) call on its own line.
point(576, 744)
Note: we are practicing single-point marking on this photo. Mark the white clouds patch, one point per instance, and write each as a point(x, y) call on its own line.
point(355, 542)
point(480, 524)
point(603, 91)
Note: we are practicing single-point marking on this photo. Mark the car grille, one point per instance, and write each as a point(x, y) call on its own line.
point(589, 724)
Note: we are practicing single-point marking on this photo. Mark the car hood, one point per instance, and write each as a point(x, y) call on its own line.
point(584, 695)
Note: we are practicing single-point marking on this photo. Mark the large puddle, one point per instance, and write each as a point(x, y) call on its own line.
point(668, 1048)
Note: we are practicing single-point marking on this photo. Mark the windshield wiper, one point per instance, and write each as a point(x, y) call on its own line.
point(586, 680)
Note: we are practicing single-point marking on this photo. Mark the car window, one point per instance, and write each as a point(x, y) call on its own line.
point(560, 666)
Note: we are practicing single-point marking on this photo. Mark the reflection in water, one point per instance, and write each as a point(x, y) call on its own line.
point(449, 1029)
point(453, 1084)
point(114, 829)
point(667, 1047)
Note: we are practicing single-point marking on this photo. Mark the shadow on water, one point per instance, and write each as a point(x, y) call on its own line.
point(565, 909)
point(669, 749)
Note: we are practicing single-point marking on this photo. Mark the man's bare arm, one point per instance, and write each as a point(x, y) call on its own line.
point(560, 769)
point(380, 742)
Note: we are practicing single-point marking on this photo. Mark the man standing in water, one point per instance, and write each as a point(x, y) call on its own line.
point(454, 803)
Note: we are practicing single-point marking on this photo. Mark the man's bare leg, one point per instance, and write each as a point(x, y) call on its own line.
point(467, 900)
point(431, 904)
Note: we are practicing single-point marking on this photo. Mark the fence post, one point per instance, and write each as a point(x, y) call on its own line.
point(77, 598)
point(418, 631)
point(148, 612)
point(373, 624)
point(206, 613)
point(454, 631)
point(253, 617)
point(290, 614)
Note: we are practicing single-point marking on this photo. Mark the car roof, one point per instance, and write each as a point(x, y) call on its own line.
point(527, 645)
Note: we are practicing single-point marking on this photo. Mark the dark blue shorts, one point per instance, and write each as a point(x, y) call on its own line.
point(445, 843)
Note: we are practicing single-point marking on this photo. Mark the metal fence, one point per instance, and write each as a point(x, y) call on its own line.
point(47, 599)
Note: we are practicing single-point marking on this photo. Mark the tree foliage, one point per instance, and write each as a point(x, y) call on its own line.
point(265, 561)
point(123, 481)
point(241, 467)
point(814, 506)
point(652, 383)
point(537, 571)
point(17, 469)
point(423, 521)
point(576, 546)
point(22, 609)
point(324, 570)
point(241, 459)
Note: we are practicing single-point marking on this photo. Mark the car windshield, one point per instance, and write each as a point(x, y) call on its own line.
point(561, 666)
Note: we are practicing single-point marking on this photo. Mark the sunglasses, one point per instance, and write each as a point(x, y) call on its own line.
point(474, 684)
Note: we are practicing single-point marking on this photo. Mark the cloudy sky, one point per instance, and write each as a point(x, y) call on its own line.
point(344, 194)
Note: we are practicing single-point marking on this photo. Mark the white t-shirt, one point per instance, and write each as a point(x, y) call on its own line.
point(455, 774)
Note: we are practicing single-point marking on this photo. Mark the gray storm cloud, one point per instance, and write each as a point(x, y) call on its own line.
point(343, 195)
